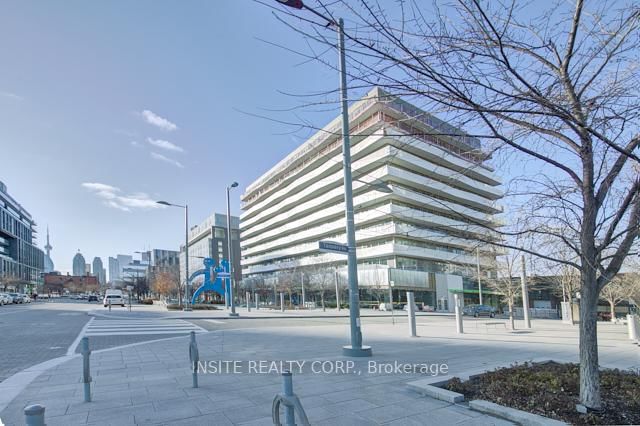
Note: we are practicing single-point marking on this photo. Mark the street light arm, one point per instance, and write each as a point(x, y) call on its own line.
point(166, 203)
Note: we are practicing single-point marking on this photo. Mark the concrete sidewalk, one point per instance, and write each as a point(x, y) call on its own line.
point(151, 383)
point(161, 312)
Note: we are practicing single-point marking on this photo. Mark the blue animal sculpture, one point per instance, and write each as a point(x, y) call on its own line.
point(219, 282)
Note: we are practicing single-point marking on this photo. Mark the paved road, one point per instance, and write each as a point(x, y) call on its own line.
point(106, 333)
point(31, 334)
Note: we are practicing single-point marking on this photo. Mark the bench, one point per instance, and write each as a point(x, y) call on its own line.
point(496, 323)
point(493, 323)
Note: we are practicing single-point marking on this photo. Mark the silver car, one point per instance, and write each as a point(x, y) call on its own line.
point(5, 299)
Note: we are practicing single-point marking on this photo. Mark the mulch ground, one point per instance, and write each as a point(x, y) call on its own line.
point(552, 390)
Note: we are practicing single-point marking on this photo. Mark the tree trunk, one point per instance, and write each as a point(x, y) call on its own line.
point(589, 372)
point(613, 311)
point(511, 320)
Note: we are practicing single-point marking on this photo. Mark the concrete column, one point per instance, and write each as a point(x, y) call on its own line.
point(337, 292)
point(302, 282)
point(411, 312)
point(393, 319)
point(525, 296)
point(631, 325)
point(459, 326)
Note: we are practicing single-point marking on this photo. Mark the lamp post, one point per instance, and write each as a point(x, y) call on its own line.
point(187, 293)
point(355, 349)
point(233, 312)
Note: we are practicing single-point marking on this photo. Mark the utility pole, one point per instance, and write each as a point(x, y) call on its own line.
point(233, 312)
point(525, 296)
point(302, 281)
point(479, 280)
point(337, 291)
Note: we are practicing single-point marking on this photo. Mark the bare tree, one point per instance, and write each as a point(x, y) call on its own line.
point(286, 282)
point(164, 283)
point(321, 279)
point(620, 288)
point(555, 93)
point(507, 284)
point(9, 280)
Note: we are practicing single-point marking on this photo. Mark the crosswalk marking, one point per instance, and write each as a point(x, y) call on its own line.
point(105, 327)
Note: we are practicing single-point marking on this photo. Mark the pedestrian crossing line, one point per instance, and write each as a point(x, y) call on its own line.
point(132, 327)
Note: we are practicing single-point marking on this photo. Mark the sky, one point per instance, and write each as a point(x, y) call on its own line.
point(107, 107)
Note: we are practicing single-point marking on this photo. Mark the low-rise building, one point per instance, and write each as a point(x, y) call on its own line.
point(55, 283)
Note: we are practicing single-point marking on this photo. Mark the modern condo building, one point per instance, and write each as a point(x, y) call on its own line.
point(428, 234)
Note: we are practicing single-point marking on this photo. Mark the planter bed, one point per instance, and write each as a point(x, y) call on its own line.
point(551, 390)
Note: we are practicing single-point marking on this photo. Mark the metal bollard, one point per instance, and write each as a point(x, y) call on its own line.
point(281, 302)
point(257, 298)
point(459, 328)
point(291, 403)
point(248, 297)
point(109, 305)
point(86, 369)
point(194, 356)
point(34, 415)
point(287, 388)
point(411, 312)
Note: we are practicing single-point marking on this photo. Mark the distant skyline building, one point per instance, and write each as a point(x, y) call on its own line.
point(123, 261)
point(20, 259)
point(423, 202)
point(48, 263)
point(79, 265)
point(114, 269)
point(98, 270)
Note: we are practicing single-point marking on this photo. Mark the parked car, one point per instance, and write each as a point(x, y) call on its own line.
point(5, 299)
point(92, 298)
point(113, 297)
point(25, 298)
point(416, 309)
point(17, 298)
point(479, 311)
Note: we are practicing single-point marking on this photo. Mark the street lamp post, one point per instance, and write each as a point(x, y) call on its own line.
point(186, 250)
point(355, 349)
point(233, 312)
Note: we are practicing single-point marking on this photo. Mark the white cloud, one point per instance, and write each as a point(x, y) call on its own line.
point(100, 187)
point(136, 144)
point(154, 119)
point(112, 197)
point(11, 95)
point(159, 143)
point(161, 157)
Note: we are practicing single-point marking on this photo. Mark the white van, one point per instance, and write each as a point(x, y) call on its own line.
point(113, 297)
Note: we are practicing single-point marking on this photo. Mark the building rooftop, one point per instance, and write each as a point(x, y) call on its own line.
point(456, 137)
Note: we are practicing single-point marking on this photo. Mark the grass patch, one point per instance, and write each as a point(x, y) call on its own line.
point(552, 390)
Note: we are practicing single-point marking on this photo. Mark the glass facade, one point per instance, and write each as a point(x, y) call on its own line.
point(21, 262)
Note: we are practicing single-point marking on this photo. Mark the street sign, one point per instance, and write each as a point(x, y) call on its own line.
point(333, 247)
